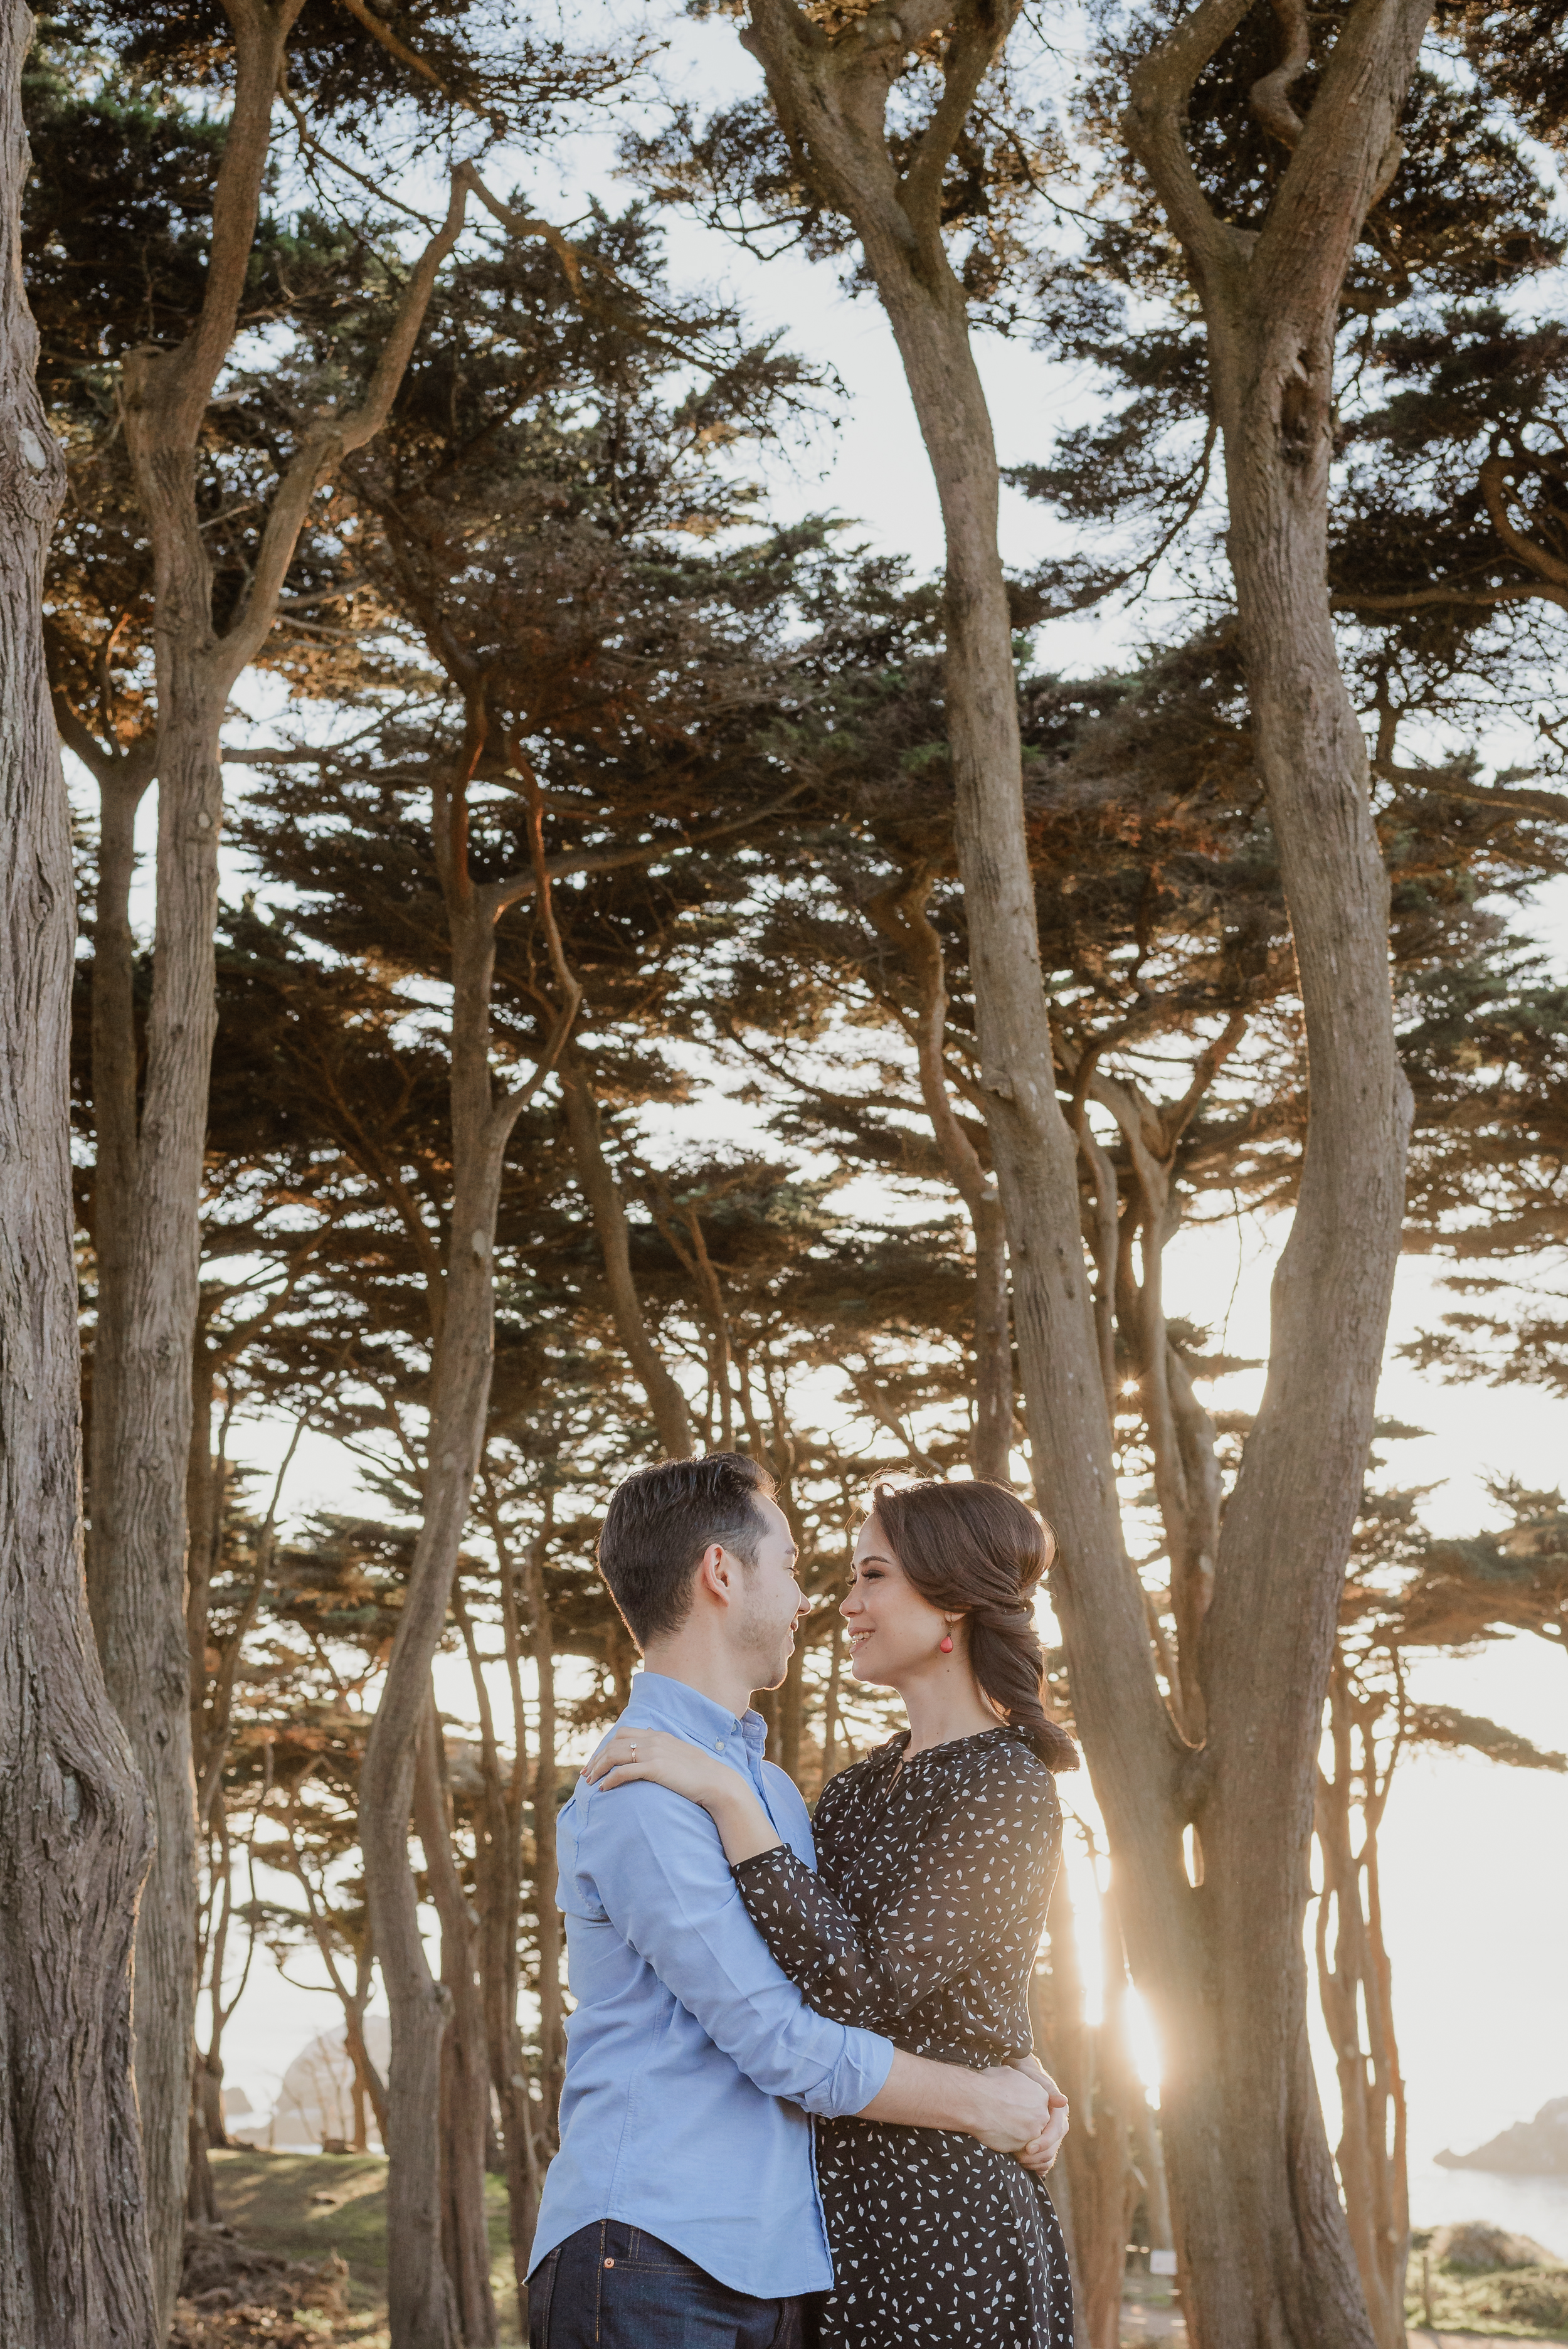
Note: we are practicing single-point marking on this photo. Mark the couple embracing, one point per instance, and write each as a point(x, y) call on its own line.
point(800, 2105)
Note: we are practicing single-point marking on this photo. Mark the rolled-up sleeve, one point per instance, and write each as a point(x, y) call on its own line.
point(659, 1869)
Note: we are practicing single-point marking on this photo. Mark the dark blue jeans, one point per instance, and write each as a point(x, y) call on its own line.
point(612, 2287)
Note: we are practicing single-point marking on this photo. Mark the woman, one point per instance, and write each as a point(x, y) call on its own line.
point(936, 1856)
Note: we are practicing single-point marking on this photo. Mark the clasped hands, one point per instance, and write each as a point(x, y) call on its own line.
point(673, 1762)
point(1042, 2149)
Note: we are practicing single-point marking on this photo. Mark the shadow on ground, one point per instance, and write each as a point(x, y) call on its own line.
point(323, 2217)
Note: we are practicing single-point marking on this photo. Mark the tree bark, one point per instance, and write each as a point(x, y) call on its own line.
point(1279, 2267)
point(147, 1186)
point(422, 2304)
point(75, 1831)
point(830, 1731)
point(1089, 2064)
point(547, 1916)
point(1182, 1434)
point(1355, 1978)
point(465, 2067)
point(1263, 2251)
point(900, 914)
point(602, 1192)
point(498, 1869)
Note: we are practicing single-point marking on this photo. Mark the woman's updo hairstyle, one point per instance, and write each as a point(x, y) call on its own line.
point(974, 1549)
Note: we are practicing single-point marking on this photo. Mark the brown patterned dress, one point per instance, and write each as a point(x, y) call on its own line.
point(923, 1923)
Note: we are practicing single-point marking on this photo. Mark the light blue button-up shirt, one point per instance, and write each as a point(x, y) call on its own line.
point(685, 2033)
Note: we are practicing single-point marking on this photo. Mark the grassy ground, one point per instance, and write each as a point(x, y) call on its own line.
point(306, 2206)
point(1522, 2303)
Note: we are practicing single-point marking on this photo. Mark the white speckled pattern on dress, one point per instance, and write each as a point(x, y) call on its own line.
point(923, 1923)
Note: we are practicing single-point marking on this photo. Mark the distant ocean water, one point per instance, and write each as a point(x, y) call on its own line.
point(1525, 2206)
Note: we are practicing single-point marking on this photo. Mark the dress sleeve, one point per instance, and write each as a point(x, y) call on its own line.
point(983, 1861)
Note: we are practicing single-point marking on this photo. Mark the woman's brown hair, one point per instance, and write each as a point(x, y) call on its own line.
point(974, 1549)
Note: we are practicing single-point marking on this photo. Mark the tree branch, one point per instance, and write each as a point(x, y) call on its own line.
point(1271, 96)
point(506, 1111)
point(977, 36)
point(525, 224)
point(1515, 591)
point(1162, 83)
point(129, 771)
point(1495, 471)
point(261, 34)
point(330, 439)
point(501, 894)
point(1553, 805)
point(417, 64)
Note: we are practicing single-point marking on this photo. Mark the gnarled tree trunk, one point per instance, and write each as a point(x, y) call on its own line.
point(602, 1192)
point(497, 1864)
point(1266, 2251)
point(465, 2066)
point(901, 914)
point(73, 1826)
point(147, 1192)
point(1355, 1981)
point(422, 2303)
point(1262, 2241)
point(547, 1916)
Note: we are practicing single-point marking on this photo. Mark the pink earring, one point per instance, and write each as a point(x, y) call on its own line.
point(946, 1643)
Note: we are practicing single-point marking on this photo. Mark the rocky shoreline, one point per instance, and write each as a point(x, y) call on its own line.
point(1537, 2148)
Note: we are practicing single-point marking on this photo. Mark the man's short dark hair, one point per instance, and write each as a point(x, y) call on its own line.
point(658, 1524)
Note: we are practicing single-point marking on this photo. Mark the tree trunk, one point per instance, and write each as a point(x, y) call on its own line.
point(369, 2088)
point(547, 1916)
point(1262, 2241)
point(146, 1231)
point(1089, 2064)
point(200, 2196)
point(74, 1822)
point(148, 1192)
point(465, 2068)
point(900, 914)
point(141, 1424)
point(204, 1480)
point(1278, 2266)
point(498, 1849)
point(148, 1189)
point(1355, 1981)
point(991, 1444)
point(830, 1731)
point(1149, 2154)
point(602, 1192)
point(422, 2305)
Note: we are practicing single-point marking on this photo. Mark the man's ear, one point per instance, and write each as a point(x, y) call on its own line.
point(717, 1574)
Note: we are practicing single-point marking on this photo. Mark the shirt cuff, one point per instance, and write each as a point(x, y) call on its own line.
point(859, 2075)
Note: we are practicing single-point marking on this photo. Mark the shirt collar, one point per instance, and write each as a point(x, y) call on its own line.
point(655, 1696)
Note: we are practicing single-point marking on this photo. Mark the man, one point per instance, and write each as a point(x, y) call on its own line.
point(682, 2207)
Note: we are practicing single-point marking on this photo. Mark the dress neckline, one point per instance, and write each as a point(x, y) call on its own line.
point(896, 1745)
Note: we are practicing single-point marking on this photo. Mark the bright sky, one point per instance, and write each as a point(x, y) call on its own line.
point(1476, 1888)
